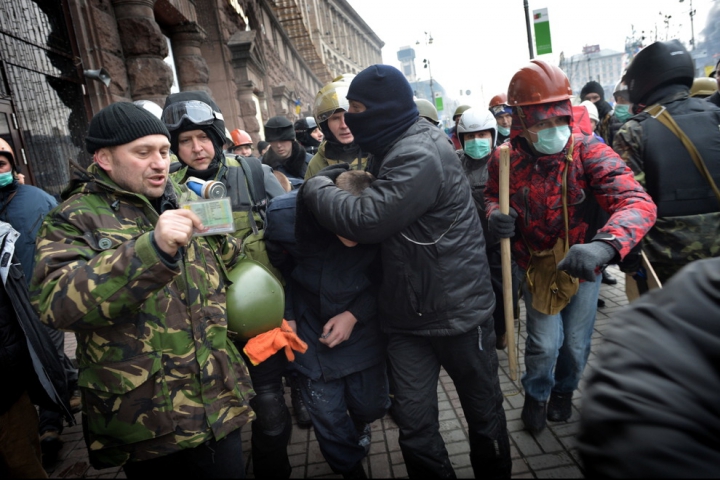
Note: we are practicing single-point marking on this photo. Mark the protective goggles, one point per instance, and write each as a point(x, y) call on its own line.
point(195, 111)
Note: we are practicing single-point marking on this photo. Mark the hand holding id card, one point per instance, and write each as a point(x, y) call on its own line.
point(216, 215)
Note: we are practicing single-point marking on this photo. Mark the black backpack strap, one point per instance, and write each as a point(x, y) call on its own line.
point(256, 181)
point(240, 195)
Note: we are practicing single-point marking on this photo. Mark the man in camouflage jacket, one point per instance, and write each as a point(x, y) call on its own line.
point(164, 390)
point(688, 223)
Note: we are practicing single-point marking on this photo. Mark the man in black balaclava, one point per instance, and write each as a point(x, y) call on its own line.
point(435, 301)
point(308, 134)
point(595, 93)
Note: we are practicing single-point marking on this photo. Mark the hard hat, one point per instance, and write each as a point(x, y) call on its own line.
point(476, 120)
point(538, 82)
point(331, 97)
point(703, 87)
point(499, 99)
point(592, 110)
point(255, 300)
point(151, 107)
point(303, 124)
point(240, 137)
point(459, 110)
point(427, 110)
point(621, 90)
point(658, 64)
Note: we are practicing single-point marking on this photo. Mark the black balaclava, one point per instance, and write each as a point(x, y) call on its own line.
point(602, 105)
point(216, 132)
point(335, 150)
point(390, 108)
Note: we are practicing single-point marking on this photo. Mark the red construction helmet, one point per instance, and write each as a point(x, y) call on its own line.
point(538, 82)
point(499, 99)
point(240, 137)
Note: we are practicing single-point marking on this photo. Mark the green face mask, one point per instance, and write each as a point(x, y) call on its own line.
point(477, 148)
point(503, 131)
point(552, 140)
point(622, 112)
point(6, 179)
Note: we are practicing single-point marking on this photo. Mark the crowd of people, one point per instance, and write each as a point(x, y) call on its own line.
point(384, 232)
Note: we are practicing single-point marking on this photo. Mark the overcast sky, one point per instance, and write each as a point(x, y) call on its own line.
point(479, 44)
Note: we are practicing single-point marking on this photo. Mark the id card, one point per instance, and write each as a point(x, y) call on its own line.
point(216, 215)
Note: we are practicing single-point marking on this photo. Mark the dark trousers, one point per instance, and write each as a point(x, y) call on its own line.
point(337, 407)
point(495, 263)
point(213, 459)
point(20, 455)
point(52, 419)
point(471, 361)
point(272, 426)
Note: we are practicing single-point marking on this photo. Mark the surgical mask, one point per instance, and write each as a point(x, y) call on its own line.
point(477, 148)
point(503, 131)
point(622, 112)
point(6, 179)
point(552, 140)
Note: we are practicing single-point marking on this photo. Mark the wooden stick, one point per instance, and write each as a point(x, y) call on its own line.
point(506, 267)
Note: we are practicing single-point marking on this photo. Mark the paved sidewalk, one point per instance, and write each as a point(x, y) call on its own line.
point(551, 454)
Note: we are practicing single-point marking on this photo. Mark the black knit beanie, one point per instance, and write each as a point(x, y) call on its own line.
point(592, 87)
point(390, 108)
point(121, 123)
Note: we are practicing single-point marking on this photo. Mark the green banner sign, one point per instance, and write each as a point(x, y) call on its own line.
point(438, 104)
point(541, 21)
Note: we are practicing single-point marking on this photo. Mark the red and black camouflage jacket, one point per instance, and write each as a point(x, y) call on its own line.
point(597, 174)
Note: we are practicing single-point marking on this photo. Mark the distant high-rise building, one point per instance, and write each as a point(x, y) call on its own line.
point(406, 56)
point(605, 66)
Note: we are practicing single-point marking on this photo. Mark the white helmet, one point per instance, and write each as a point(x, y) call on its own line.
point(150, 106)
point(477, 120)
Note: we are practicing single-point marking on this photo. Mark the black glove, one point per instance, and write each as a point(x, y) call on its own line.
point(333, 171)
point(583, 261)
point(501, 225)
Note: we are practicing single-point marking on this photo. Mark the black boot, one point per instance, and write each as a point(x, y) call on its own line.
point(608, 279)
point(357, 472)
point(301, 414)
point(533, 415)
point(559, 407)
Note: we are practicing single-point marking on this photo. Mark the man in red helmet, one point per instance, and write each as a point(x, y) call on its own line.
point(557, 179)
point(503, 116)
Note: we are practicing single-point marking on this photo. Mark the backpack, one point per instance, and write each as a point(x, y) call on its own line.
point(245, 183)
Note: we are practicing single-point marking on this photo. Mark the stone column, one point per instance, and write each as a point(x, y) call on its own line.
point(144, 48)
point(192, 70)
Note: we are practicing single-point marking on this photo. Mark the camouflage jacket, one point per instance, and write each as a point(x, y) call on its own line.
point(320, 161)
point(157, 371)
point(673, 241)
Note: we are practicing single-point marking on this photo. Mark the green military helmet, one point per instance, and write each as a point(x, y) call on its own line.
point(331, 97)
point(255, 300)
point(460, 110)
point(427, 110)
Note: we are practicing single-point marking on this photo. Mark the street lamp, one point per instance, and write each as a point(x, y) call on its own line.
point(692, 27)
point(426, 64)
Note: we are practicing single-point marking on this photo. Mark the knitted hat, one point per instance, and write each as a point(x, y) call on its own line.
point(121, 123)
point(389, 107)
point(592, 87)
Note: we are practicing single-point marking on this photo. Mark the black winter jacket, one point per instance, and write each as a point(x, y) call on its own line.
point(436, 279)
point(27, 354)
point(650, 408)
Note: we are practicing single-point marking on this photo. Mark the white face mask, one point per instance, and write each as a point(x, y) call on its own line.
point(552, 140)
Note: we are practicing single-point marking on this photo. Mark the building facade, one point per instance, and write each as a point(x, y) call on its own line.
point(605, 66)
point(256, 58)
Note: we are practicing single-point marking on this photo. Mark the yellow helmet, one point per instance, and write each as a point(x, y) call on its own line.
point(331, 97)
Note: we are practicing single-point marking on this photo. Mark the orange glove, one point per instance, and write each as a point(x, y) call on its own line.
point(263, 346)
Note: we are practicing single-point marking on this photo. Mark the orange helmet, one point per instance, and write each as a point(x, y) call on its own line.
point(6, 149)
point(499, 99)
point(240, 137)
point(538, 82)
